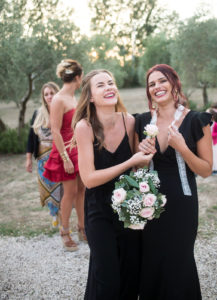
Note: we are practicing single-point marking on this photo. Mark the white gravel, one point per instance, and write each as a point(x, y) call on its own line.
point(39, 268)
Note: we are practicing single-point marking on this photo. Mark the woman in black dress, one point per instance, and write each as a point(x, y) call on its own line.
point(104, 136)
point(181, 149)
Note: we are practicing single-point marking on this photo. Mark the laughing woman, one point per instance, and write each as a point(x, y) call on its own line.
point(104, 136)
point(182, 149)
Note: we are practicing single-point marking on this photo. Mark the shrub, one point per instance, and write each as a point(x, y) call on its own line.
point(192, 105)
point(11, 142)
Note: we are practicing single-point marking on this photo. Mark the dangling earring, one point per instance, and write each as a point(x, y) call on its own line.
point(153, 106)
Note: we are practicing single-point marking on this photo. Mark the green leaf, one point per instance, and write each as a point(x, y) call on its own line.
point(126, 224)
point(132, 182)
point(152, 187)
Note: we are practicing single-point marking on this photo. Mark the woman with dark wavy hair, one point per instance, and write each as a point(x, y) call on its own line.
point(182, 149)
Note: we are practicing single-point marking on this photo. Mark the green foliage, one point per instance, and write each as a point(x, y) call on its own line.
point(157, 52)
point(31, 51)
point(131, 181)
point(192, 105)
point(206, 106)
point(131, 80)
point(32, 42)
point(128, 22)
point(11, 142)
point(194, 55)
point(99, 53)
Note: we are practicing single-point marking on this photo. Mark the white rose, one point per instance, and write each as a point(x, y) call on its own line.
point(151, 130)
point(119, 195)
point(164, 199)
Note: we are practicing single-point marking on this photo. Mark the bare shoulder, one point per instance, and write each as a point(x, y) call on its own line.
point(57, 100)
point(130, 121)
point(83, 127)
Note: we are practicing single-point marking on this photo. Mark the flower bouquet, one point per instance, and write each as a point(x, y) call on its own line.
point(136, 198)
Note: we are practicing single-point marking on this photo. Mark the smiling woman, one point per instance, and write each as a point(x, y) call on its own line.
point(104, 136)
point(181, 149)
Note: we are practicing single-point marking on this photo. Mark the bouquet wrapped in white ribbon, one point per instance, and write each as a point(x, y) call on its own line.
point(136, 198)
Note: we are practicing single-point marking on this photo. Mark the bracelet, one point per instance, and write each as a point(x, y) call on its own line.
point(64, 155)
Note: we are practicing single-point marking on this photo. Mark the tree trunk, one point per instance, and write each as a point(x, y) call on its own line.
point(205, 95)
point(23, 103)
point(2, 126)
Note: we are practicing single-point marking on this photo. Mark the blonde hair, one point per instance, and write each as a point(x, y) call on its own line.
point(86, 109)
point(43, 119)
point(68, 69)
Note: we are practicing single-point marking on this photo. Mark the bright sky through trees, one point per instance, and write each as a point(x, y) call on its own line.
point(185, 8)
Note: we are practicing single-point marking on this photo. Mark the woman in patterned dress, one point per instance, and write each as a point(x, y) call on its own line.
point(40, 144)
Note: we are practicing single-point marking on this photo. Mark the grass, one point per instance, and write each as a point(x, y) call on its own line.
point(14, 229)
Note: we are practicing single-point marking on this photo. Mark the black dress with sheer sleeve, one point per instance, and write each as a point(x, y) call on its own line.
point(168, 267)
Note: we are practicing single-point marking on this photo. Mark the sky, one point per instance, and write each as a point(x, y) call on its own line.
point(185, 8)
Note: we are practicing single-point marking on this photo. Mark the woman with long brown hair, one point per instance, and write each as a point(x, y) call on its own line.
point(104, 135)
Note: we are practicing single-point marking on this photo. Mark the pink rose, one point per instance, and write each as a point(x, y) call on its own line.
point(137, 226)
point(164, 199)
point(144, 187)
point(149, 199)
point(119, 195)
point(147, 212)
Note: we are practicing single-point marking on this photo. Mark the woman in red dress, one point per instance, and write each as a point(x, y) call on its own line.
point(62, 165)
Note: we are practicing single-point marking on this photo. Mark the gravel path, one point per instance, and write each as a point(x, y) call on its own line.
point(39, 268)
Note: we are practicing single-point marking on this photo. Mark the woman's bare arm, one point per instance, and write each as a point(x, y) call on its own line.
point(201, 163)
point(89, 175)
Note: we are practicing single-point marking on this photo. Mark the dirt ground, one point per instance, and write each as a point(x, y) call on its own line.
point(21, 213)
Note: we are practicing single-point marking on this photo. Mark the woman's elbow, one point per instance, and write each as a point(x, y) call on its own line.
point(206, 173)
point(88, 182)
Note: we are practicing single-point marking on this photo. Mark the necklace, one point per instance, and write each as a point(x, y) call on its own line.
point(180, 161)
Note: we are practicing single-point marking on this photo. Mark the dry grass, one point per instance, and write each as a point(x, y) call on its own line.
point(134, 99)
point(21, 213)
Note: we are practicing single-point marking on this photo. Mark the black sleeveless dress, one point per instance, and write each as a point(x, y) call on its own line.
point(114, 250)
point(168, 267)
